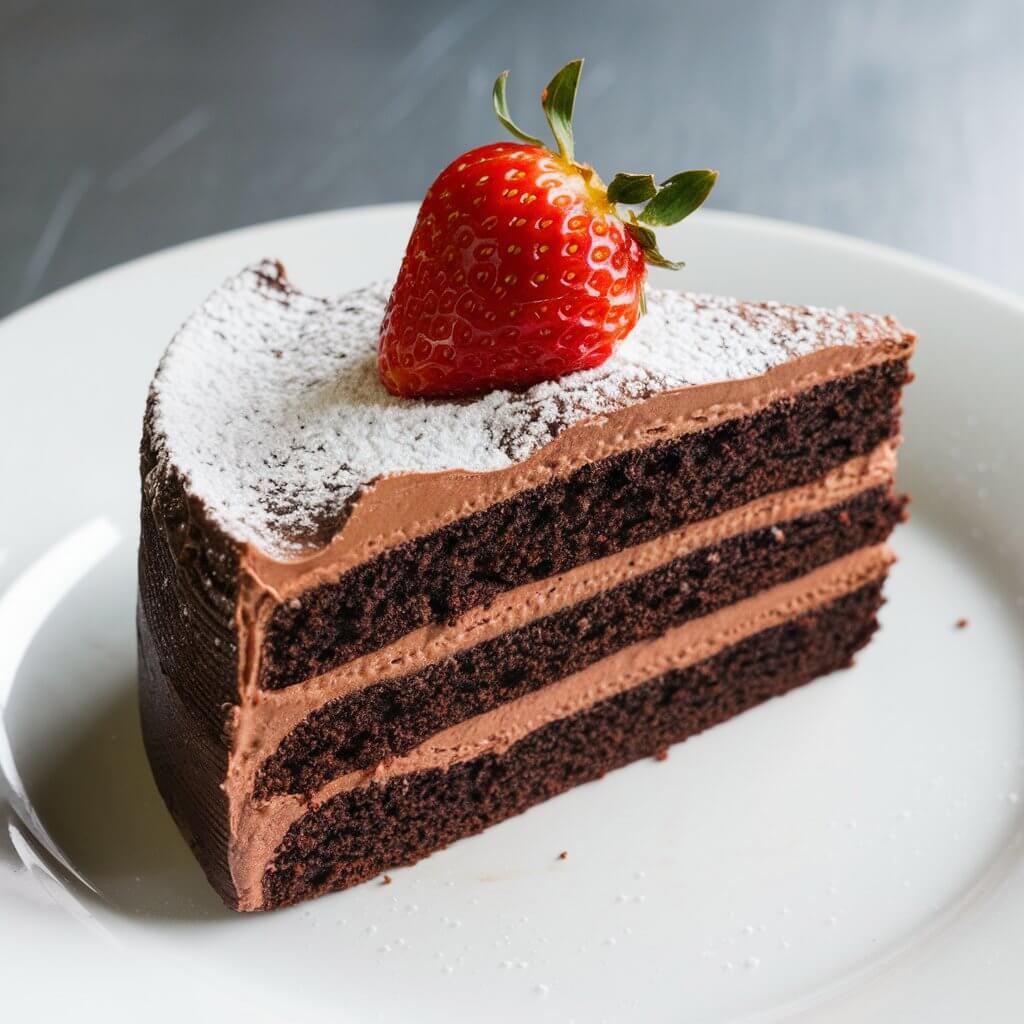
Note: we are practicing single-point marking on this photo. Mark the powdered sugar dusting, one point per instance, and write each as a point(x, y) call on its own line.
point(268, 401)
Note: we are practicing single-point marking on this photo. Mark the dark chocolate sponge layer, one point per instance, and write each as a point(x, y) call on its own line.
point(358, 834)
point(392, 717)
point(599, 509)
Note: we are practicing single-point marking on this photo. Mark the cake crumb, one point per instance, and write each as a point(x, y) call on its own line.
point(778, 535)
point(844, 517)
point(962, 623)
point(714, 558)
point(661, 755)
point(386, 880)
point(563, 855)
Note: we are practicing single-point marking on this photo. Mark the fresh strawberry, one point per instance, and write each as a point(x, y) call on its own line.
point(520, 267)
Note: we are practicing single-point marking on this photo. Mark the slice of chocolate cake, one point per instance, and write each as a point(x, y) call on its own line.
point(369, 625)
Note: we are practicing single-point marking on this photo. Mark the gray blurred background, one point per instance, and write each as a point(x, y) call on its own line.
point(130, 125)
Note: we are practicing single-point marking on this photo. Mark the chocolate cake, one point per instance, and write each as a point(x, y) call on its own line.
point(369, 626)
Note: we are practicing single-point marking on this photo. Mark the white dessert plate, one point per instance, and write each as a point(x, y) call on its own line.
point(850, 852)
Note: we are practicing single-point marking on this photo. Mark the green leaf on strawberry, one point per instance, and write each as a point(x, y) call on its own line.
point(631, 188)
point(678, 197)
point(559, 102)
point(649, 243)
point(501, 111)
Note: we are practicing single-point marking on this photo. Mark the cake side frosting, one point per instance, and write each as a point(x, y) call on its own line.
point(268, 403)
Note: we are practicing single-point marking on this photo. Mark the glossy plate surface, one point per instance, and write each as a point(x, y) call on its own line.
point(850, 852)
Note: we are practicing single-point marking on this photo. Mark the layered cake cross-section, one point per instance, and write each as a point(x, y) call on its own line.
point(369, 626)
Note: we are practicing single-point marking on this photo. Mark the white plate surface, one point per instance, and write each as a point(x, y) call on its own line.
point(850, 852)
